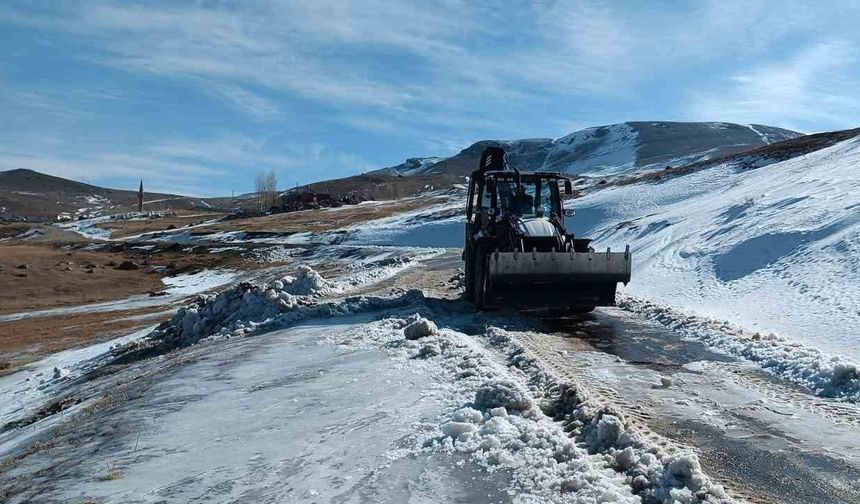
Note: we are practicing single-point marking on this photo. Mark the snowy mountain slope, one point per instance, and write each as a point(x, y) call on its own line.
point(612, 149)
point(412, 166)
point(605, 149)
point(773, 249)
point(747, 159)
point(675, 143)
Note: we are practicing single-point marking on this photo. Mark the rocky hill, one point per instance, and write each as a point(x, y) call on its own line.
point(614, 149)
point(38, 197)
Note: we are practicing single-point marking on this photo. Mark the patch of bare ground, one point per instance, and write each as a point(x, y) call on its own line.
point(323, 219)
point(12, 229)
point(39, 233)
point(36, 277)
point(27, 340)
point(387, 186)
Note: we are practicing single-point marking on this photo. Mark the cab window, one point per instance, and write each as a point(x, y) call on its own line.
point(528, 202)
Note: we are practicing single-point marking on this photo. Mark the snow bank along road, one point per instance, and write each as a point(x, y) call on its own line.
point(374, 382)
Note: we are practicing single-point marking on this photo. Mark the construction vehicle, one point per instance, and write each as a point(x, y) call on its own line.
point(518, 251)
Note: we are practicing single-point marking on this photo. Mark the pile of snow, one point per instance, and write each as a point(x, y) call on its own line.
point(419, 328)
point(825, 375)
point(543, 463)
point(654, 473)
point(307, 282)
point(231, 312)
point(501, 394)
point(514, 416)
point(249, 308)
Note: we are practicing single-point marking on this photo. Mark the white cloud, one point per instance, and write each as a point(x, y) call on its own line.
point(247, 102)
point(322, 49)
point(220, 47)
point(812, 86)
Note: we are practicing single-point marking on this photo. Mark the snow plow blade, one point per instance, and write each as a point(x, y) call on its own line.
point(556, 279)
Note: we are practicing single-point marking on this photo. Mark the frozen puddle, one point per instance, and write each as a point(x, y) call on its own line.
point(279, 418)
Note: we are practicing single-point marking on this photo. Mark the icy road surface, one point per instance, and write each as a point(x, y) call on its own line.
point(281, 418)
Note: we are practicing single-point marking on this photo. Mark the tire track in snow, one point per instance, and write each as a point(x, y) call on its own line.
point(547, 349)
point(764, 439)
point(673, 470)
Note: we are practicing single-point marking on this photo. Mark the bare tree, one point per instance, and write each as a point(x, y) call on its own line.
point(266, 188)
point(272, 187)
point(259, 184)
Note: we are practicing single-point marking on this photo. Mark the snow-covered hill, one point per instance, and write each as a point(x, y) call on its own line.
point(413, 165)
point(773, 249)
point(613, 149)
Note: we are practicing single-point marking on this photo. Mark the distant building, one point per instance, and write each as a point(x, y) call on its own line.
point(311, 197)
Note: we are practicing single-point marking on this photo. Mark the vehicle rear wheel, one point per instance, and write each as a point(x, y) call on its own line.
point(470, 274)
point(481, 278)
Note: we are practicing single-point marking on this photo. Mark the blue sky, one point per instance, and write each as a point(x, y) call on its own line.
point(195, 97)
